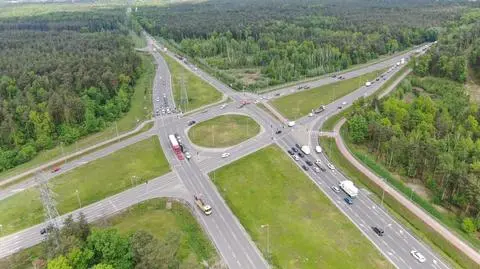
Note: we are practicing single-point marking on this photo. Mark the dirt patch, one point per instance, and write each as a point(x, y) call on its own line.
point(421, 190)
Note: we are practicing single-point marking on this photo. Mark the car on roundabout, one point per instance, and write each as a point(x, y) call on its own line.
point(335, 189)
point(225, 155)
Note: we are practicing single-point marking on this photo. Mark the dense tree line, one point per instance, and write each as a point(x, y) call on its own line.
point(290, 39)
point(80, 247)
point(427, 130)
point(458, 46)
point(62, 76)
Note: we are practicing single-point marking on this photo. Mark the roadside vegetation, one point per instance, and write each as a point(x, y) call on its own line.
point(223, 131)
point(256, 44)
point(94, 181)
point(451, 254)
point(297, 105)
point(199, 92)
point(147, 235)
point(305, 229)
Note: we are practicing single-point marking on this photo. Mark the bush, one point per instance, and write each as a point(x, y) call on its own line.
point(468, 225)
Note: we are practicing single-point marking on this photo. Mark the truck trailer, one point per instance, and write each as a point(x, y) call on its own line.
point(175, 146)
point(306, 150)
point(349, 188)
point(206, 208)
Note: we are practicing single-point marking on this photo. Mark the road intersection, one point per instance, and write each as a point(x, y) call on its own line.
point(190, 177)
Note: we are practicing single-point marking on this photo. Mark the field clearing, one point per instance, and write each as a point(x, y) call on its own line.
point(94, 181)
point(305, 229)
point(297, 105)
point(223, 131)
point(199, 92)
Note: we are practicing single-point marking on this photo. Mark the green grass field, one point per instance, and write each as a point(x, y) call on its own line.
point(140, 110)
point(94, 181)
point(200, 93)
point(223, 131)
point(297, 105)
point(305, 229)
point(153, 217)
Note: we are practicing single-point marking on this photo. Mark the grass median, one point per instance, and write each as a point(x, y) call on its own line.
point(140, 110)
point(199, 92)
point(94, 181)
point(266, 190)
point(223, 131)
point(151, 216)
point(297, 105)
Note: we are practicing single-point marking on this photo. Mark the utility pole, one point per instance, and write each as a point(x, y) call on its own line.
point(51, 213)
point(78, 199)
point(268, 236)
point(184, 94)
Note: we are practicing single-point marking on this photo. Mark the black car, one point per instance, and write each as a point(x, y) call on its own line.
point(290, 152)
point(300, 155)
point(192, 122)
point(377, 79)
point(309, 163)
point(378, 231)
point(294, 149)
point(278, 132)
point(305, 168)
point(322, 168)
point(334, 76)
point(298, 146)
point(339, 107)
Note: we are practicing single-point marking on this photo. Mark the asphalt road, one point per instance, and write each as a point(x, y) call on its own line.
point(167, 185)
point(68, 166)
point(365, 213)
point(230, 238)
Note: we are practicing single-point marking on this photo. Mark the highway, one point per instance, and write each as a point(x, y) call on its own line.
point(167, 185)
point(190, 177)
point(365, 213)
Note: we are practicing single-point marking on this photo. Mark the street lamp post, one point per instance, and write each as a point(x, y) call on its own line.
point(268, 236)
point(78, 198)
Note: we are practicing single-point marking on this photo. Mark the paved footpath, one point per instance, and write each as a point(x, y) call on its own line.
point(405, 202)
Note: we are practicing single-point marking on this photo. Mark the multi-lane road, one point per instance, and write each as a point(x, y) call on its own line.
point(232, 241)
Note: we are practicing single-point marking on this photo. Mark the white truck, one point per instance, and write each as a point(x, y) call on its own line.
point(206, 208)
point(402, 61)
point(306, 150)
point(349, 188)
point(291, 123)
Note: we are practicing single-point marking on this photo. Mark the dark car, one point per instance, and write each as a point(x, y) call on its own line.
point(305, 168)
point(334, 76)
point(56, 169)
point(290, 152)
point(298, 146)
point(294, 149)
point(339, 107)
point(377, 79)
point(46, 230)
point(192, 122)
point(300, 155)
point(309, 163)
point(322, 168)
point(277, 94)
point(378, 231)
point(278, 132)
point(348, 200)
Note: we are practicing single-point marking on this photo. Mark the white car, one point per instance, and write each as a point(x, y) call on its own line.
point(295, 157)
point(329, 165)
point(310, 114)
point(344, 103)
point(335, 189)
point(316, 169)
point(318, 149)
point(188, 155)
point(225, 155)
point(418, 256)
point(318, 162)
point(223, 106)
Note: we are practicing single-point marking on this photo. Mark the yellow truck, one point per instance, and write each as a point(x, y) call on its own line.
point(206, 208)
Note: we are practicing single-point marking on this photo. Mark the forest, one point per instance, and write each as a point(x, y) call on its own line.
point(255, 44)
point(62, 76)
point(431, 117)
